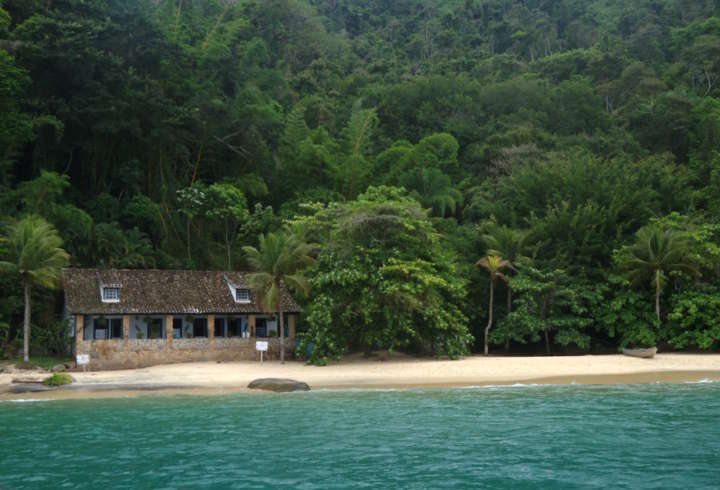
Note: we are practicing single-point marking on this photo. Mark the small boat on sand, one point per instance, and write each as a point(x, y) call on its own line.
point(643, 353)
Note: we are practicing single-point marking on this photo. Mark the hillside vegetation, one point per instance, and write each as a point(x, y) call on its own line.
point(408, 139)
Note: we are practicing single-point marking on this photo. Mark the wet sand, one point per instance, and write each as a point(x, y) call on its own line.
point(210, 378)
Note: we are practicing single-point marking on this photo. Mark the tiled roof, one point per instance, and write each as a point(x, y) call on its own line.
point(144, 291)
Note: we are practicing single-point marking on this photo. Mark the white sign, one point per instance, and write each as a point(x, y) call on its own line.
point(82, 359)
point(261, 345)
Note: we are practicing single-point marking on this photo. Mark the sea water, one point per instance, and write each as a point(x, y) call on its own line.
point(629, 436)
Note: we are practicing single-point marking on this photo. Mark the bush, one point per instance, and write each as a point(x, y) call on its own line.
point(58, 379)
point(50, 338)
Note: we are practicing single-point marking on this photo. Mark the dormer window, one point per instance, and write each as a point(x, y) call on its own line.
point(242, 295)
point(110, 295)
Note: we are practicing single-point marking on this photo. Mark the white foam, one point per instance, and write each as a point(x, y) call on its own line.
point(700, 381)
point(515, 385)
point(27, 400)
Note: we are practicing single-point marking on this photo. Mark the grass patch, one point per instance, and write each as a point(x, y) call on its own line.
point(42, 362)
point(58, 379)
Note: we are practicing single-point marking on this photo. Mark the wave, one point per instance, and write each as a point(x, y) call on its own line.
point(27, 400)
point(514, 385)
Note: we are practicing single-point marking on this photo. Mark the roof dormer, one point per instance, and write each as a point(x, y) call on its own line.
point(110, 293)
point(241, 294)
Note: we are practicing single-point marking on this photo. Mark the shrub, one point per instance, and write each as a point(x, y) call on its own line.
point(50, 338)
point(58, 379)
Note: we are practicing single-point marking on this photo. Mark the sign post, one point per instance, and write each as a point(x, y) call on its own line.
point(82, 360)
point(262, 346)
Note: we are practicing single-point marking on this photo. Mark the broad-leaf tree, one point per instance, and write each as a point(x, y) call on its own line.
point(227, 205)
point(550, 302)
point(384, 280)
point(35, 256)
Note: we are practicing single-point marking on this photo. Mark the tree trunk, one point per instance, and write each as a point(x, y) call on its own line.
point(490, 314)
point(509, 310)
point(281, 322)
point(228, 246)
point(26, 327)
point(657, 295)
point(187, 236)
point(547, 335)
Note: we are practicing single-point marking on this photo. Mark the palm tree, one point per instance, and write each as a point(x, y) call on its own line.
point(434, 190)
point(509, 244)
point(494, 264)
point(656, 253)
point(277, 263)
point(35, 256)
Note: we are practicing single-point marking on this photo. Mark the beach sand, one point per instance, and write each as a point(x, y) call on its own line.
point(396, 372)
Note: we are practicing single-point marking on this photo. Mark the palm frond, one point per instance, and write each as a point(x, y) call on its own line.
point(35, 252)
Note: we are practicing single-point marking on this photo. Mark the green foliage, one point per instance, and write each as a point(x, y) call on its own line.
point(383, 281)
point(227, 205)
point(278, 264)
point(58, 379)
point(51, 338)
point(694, 320)
point(549, 304)
point(171, 133)
point(42, 362)
point(34, 253)
point(350, 169)
point(15, 125)
point(657, 255)
point(626, 315)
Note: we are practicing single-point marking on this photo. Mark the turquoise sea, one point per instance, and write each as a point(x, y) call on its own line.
point(625, 436)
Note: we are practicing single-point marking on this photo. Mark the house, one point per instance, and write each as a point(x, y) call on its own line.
point(130, 318)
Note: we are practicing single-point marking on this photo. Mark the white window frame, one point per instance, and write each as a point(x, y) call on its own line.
point(106, 299)
point(239, 299)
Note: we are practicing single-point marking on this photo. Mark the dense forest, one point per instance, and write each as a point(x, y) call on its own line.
point(543, 172)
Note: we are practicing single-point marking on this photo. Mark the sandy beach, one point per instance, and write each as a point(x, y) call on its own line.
point(400, 372)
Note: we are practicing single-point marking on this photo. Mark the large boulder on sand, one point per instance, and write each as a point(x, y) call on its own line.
point(279, 385)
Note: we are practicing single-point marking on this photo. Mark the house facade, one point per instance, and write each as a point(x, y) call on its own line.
point(132, 318)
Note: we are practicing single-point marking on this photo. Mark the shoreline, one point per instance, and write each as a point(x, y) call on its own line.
point(400, 373)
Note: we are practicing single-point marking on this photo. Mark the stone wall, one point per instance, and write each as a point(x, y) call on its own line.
point(135, 353)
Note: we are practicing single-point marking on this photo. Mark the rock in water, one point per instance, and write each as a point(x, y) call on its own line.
point(278, 385)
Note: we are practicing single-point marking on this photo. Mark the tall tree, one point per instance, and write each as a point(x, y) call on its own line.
point(35, 256)
point(494, 265)
point(510, 244)
point(227, 204)
point(351, 168)
point(655, 255)
point(278, 262)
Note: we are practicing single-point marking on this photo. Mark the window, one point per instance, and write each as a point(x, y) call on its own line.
point(219, 327)
point(261, 327)
point(155, 328)
point(100, 328)
point(234, 327)
point(110, 295)
point(106, 328)
point(242, 295)
point(116, 330)
point(177, 328)
point(199, 327)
